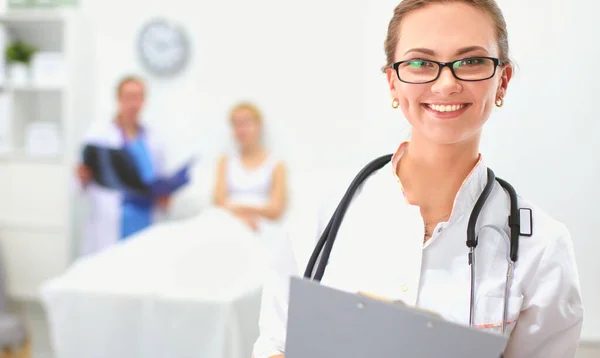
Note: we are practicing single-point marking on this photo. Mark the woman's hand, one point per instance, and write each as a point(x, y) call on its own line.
point(238, 209)
point(241, 213)
point(234, 209)
point(250, 220)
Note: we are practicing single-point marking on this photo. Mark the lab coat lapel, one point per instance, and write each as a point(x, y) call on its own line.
point(379, 245)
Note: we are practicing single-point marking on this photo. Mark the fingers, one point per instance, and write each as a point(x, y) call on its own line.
point(163, 202)
point(84, 174)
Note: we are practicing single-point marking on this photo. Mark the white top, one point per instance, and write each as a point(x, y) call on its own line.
point(379, 250)
point(249, 186)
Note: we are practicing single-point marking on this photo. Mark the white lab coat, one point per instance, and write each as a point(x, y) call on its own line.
point(103, 221)
point(379, 250)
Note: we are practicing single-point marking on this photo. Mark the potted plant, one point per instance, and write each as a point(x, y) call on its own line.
point(18, 57)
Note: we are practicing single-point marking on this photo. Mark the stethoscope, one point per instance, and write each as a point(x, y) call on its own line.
point(514, 222)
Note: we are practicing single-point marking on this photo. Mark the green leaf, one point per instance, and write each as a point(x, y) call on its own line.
point(19, 51)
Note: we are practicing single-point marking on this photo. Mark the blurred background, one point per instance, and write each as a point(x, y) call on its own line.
point(313, 69)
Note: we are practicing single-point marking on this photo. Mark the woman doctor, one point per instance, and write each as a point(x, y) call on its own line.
point(403, 236)
point(113, 215)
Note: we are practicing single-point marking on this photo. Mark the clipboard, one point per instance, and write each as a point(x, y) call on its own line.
point(324, 322)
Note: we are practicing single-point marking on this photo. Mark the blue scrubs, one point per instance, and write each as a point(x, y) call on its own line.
point(137, 211)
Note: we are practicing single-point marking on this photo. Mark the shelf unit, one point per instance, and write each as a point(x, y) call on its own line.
point(36, 193)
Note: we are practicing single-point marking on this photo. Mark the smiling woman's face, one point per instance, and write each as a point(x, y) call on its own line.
point(448, 110)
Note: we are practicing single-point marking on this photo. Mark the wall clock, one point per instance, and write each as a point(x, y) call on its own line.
point(163, 48)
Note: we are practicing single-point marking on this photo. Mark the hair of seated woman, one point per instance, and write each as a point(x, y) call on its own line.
point(248, 106)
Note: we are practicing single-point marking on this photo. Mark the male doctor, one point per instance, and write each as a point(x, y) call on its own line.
point(113, 214)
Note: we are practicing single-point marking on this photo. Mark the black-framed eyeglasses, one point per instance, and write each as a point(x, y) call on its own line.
point(419, 71)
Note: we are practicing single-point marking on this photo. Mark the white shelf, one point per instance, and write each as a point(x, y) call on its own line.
point(32, 88)
point(42, 29)
point(32, 227)
point(21, 156)
point(32, 15)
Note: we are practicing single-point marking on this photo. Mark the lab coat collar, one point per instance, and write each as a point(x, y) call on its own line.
point(142, 131)
point(467, 195)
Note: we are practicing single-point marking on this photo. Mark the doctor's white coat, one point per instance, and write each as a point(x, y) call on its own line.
point(103, 222)
point(379, 250)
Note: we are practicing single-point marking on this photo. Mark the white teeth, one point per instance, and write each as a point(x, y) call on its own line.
point(446, 108)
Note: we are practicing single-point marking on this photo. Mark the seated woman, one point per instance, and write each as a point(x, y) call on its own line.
point(251, 182)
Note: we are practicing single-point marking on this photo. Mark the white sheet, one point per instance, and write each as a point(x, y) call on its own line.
point(181, 289)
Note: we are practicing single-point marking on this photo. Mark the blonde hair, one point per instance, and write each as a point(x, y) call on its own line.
point(406, 6)
point(127, 79)
point(248, 107)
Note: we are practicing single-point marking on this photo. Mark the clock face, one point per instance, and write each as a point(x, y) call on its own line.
point(163, 48)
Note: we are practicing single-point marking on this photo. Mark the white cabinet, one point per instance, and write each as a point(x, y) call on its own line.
point(31, 256)
point(33, 195)
point(40, 118)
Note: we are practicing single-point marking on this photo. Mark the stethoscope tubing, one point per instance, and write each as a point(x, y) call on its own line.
point(325, 243)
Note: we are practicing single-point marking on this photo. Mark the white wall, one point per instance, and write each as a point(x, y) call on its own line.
point(313, 66)
point(544, 140)
point(307, 75)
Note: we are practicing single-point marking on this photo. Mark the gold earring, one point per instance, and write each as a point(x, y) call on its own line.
point(499, 102)
point(395, 104)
